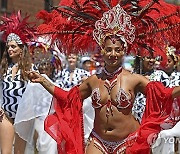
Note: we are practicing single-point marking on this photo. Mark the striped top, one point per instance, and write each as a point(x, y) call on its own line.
point(12, 91)
point(63, 79)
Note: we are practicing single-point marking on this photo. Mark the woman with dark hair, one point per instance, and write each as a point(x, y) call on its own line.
point(145, 65)
point(113, 90)
point(15, 62)
point(173, 121)
point(172, 60)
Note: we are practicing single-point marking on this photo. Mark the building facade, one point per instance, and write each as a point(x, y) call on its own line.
point(177, 2)
point(31, 7)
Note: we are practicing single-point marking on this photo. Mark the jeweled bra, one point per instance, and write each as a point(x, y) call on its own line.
point(123, 99)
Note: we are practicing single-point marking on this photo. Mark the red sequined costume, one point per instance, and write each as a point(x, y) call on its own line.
point(66, 124)
point(83, 25)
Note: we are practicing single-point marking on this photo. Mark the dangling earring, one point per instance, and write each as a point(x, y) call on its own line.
point(122, 52)
point(175, 66)
point(102, 52)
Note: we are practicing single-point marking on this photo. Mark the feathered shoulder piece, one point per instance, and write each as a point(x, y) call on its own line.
point(17, 28)
point(81, 25)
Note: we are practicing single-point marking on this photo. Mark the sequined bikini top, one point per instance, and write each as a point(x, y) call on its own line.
point(123, 99)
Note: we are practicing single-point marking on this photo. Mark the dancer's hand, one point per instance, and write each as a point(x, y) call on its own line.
point(38, 78)
point(35, 77)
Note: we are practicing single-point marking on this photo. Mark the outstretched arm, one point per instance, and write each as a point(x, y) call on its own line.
point(60, 94)
point(57, 92)
point(176, 92)
point(37, 78)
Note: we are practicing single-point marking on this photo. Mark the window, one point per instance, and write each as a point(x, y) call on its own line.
point(4, 5)
point(47, 5)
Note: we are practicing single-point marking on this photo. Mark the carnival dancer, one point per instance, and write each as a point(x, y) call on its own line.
point(114, 89)
point(17, 32)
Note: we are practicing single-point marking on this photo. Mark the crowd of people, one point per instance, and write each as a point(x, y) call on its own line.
point(92, 78)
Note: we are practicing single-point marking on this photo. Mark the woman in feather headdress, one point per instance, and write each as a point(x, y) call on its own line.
point(118, 28)
point(17, 32)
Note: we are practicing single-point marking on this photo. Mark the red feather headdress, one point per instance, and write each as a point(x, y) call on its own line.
point(17, 28)
point(78, 26)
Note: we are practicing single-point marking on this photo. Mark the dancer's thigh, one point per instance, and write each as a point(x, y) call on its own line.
point(91, 148)
point(6, 135)
point(19, 145)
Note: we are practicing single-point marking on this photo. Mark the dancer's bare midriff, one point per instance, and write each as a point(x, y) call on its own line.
point(116, 127)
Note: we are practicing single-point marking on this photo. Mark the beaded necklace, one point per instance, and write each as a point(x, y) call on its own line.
point(112, 75)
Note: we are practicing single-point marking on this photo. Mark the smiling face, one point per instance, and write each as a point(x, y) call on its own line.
point(113, 53)
point(14, 50)
point(87, 65)
point(170, 65)
point(72, 60)
point(148, 63)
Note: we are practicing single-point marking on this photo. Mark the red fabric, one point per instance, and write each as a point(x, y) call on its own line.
point(66, 124)
point(158, 108)
point(175, 114)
